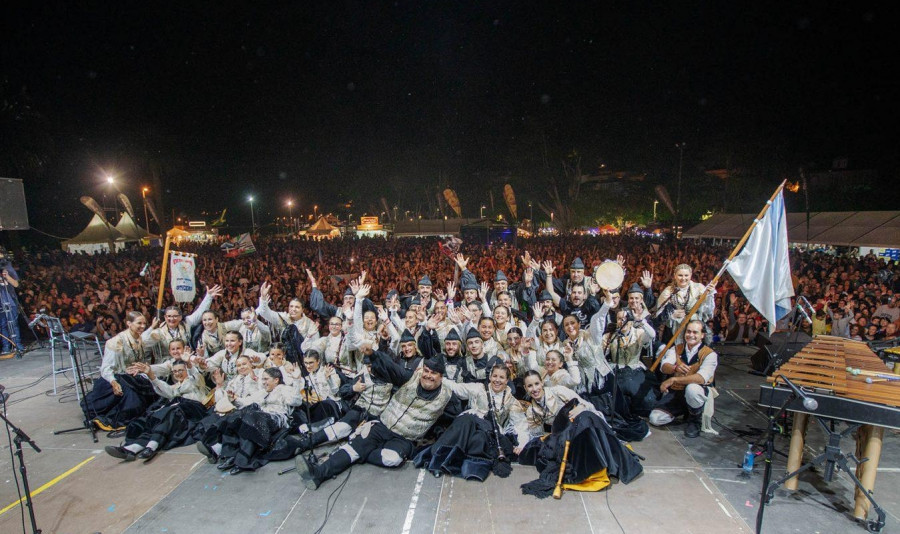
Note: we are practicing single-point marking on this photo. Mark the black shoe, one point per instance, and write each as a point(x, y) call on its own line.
point(117, 451)
point(236, 470)
point(211, 457)
point(692, 430)
point(147, 454)
point(226, 464)
point(307, 473)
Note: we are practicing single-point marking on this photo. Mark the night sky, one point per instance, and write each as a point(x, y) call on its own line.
point(326, 102)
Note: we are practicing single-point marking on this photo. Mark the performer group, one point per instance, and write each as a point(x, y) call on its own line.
point(465, 380)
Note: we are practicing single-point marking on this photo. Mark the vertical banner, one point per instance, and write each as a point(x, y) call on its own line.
point(184, 286)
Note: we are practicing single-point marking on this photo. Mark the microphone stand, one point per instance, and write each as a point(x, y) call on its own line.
point(312, 457)
point(769, 436)
point(20, 437)
point(309, 440)
point(492, 415)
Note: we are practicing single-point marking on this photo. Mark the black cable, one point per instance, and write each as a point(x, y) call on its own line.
point(12, 464)
point(329, 505)
point(613, 513)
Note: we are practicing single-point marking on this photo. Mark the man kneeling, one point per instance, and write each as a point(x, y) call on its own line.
point(692, 366)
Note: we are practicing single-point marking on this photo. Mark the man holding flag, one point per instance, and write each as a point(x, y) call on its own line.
point(762, 272)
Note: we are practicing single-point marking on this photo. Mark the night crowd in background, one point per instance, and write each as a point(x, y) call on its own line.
point(854, 297)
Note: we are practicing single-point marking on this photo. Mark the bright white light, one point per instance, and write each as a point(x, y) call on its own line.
point(250, 199)
point(110, 179)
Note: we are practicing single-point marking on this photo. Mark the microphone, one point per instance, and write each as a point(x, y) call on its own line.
point(809, 403)
point(803, 312)
point(144, 270)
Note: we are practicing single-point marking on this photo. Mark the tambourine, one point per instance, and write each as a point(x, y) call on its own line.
point(609, 275)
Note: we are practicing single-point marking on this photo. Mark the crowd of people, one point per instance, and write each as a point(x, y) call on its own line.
point(404, 349)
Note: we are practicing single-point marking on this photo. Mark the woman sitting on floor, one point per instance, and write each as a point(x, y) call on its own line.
point(123, 393)
point(262, 417)
point(169, 422)
point(469, 448)
point(594, 452)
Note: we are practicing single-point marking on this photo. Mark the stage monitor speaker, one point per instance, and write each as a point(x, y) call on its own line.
point(787, 343)
point(13, 214)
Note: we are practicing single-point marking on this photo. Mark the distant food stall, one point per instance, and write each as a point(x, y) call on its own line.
point(370, 227)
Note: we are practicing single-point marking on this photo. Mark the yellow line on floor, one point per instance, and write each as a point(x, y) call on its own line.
point(47, 485)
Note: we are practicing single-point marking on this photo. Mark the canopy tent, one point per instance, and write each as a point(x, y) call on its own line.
point(127, 227)
point(323, 228)
point(97, 236)
point(837, 228)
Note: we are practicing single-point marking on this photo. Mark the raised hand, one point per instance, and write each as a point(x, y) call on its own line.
point(362, 277)
point(535, 265)
point(214, 291)
point(354, 286)
point(538, 309)
point(363, 291)
point(647, 279)
point(264, 289)
point(529, 276)
point(439, 295)
point(451, 291)
point(548, 267)
point(312, 279)
point(461, 261)
point(482, 291)
point(154, 323)
point(526, 259)
point(620, 259)
point(383, 315)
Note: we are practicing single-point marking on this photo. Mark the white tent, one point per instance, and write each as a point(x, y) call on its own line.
point(127, 227)
point(97, 236)
point(838, 228)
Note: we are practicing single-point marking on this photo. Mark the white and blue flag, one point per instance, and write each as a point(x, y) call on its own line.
point(762, 270)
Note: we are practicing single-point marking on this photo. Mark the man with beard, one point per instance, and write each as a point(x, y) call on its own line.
point(579, 303)
point(389, 440)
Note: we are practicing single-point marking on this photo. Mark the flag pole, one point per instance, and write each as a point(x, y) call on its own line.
point(715, 280)
point(162, 273)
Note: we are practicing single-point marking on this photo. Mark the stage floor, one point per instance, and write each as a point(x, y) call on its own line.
point(687, 486)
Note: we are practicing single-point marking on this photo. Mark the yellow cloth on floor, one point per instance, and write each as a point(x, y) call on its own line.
point(595, 482)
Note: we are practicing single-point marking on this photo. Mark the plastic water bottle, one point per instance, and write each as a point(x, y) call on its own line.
point(747, 466)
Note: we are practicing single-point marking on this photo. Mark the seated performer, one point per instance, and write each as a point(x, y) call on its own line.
point(389, 440)
point(321, 389)
point(623, 349)
point(469, 448)
point(262, 416)
point(168, 423)
point(691, 367)
point(124, 393)
point(595, 453)
point(372, 391)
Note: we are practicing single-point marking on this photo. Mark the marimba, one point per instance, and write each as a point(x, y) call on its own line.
point(821, 369)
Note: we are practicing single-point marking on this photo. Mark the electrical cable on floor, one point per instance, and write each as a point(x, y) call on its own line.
point(12, 464)
point(329, 506)
point(613, 513)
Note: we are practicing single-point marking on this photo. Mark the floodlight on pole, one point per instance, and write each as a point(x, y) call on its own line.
point(252, 218)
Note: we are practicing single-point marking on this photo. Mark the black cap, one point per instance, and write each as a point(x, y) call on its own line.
point(425, 281)
point(472, 333)
point(545, 295)
point(436, 364)
point(635, 288)
point(452, 335)
point(407, 336)
point(577, 264)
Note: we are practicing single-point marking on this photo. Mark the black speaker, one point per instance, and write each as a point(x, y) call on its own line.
point(785, 343)
point(13, 214)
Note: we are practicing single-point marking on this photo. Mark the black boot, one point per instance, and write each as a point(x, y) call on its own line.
point(314, 475)
point(694, 418)
point(315, 439)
